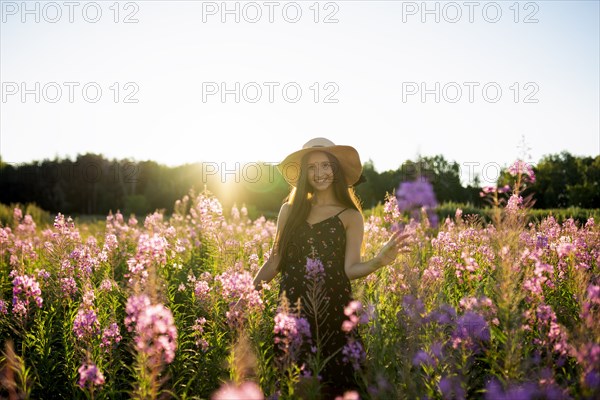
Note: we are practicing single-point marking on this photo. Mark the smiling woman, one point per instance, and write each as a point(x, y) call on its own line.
point(317, 249)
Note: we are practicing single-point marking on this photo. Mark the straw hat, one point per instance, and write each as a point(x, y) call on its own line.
point(347, 156)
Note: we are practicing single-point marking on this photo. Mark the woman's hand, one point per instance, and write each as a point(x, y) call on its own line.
point(396, 244)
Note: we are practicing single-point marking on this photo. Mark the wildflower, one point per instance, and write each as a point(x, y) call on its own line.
point(391, 210)
point(110, 336)
point(134, 306)
point(520, 167)
point(156, 334)
point(150, 250)
point(107, 285)
point(451, 388)
point(527, 390)
point(86, 323)
point(291, 332)
point(353, 353)
point(413, 196)
point(350, 395)
point(444, 315)
point(238, 289)
point(68, 286)
point(593, 293)
point(247, 391)
point(314, 270)
point(354, 311)
point(3, 307)
point(90, 374)
point(25, 288)
point(198, 330)
point(413, 307)
point(201, 290)
point(514, 204)
point(422, 357)
point(564, 248)
point(471, 329)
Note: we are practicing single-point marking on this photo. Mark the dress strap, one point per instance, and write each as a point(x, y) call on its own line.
point(340, 212)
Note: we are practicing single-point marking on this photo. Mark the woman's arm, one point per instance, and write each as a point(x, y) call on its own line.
point(354, 236)
point(269, 269)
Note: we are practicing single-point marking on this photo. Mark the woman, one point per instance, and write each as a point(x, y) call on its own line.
point(321, 220)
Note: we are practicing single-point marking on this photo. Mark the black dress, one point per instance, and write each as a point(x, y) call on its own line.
point(325, 240)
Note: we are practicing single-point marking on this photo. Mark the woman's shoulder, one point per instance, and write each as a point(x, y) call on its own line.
point(351, 216)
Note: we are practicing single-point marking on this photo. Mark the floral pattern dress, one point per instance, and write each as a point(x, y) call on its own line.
point(325, 241)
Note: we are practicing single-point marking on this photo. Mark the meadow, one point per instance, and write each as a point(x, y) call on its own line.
point(166, 308)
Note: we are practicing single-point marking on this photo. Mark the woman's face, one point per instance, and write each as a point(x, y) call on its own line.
point(320, 170)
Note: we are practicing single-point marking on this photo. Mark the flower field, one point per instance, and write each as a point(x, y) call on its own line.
point(166, 308)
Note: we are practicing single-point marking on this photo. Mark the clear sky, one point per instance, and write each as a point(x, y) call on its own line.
point(362, 73)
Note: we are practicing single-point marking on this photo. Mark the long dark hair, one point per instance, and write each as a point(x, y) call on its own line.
point(300, 196)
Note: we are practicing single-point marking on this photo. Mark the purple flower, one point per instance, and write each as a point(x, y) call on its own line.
point(422, 357)
point(514, 204)
point(523, 391)
point(291, 332)
point(157, 335)
point(520, 167)
point(542, 242)
point(417, 195)
point(593, 292)
point(110, 336)
point(592, 380)
point(413, 307)
point(135, 305)
point(90, 374)
point(201, 290)
point(451, 388)
point(314, 270)
point(472, 329)
point(353, 353)
point(68, 286)
point(3, 307)
point(86, 323)
point(25, 288)
point(198, 330)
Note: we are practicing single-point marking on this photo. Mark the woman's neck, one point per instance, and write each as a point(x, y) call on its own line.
point(324, 198)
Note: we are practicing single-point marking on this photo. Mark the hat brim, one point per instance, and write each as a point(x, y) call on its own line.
point(347, 156)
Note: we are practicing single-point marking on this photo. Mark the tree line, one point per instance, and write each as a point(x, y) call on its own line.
point(92, 184)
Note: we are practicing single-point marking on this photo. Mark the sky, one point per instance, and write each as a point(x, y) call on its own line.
point(188, 81)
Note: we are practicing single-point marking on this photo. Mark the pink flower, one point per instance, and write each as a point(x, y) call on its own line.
point(110, 336)
point(25, 288)
point(156, 334)
point(246, 391)
point(90, 374)
point(520, 167)
point(3, 307)
point(291, 332)
point(86, 323)
point(351, 395)
point(514, 204)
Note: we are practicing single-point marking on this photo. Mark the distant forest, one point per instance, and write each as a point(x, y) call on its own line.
point(95, 185)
